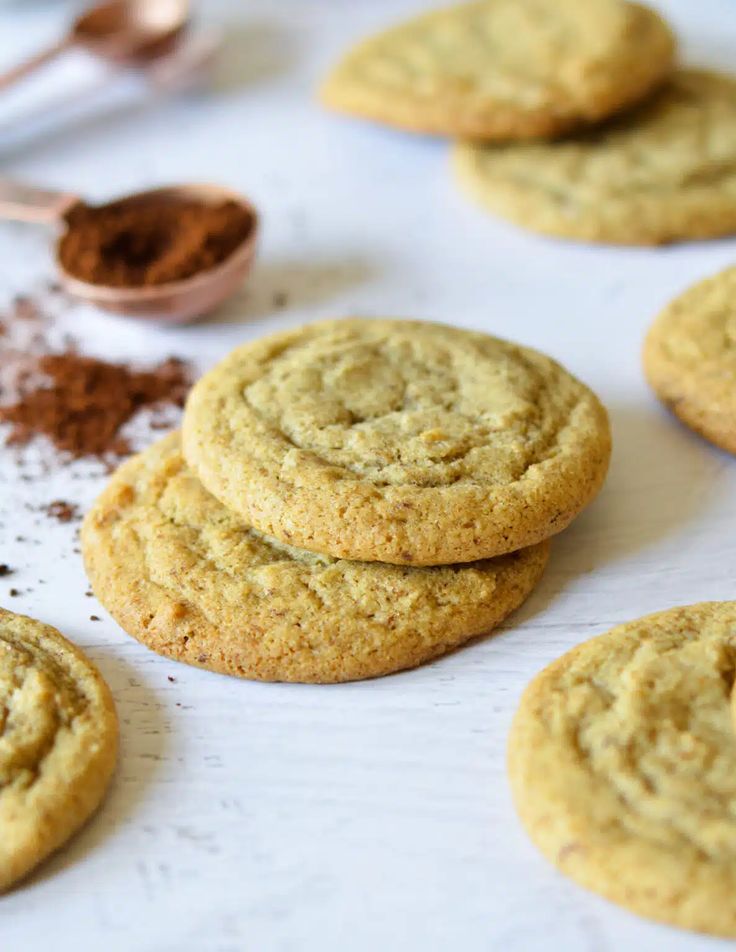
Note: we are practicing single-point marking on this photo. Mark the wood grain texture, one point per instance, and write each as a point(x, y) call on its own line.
point(279, 818)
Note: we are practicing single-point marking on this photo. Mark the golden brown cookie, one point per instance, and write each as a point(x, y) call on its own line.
point(690, 358)
point(188, 578)
point(397, 441)
point(663, 172)
point(622, 760)
point(58, 742)
point(505, 69)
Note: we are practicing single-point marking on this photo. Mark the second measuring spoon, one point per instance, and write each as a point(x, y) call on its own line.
point(121, 31)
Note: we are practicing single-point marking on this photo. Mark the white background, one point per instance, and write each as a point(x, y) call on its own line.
point(375, 815)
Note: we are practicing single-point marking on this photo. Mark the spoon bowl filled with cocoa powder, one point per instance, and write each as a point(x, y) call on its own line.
point(169, 254)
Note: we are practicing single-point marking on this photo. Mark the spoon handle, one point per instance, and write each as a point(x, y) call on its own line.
point(22, 70)
point(39, 206)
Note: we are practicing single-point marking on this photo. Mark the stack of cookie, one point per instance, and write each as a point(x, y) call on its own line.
point(350, 498)
point(647, 155)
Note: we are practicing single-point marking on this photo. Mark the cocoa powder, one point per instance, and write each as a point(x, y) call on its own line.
point(61, 510)
point(79, 403)
point(151, 242)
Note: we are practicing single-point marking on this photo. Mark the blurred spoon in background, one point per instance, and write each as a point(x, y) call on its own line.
point(122, 31)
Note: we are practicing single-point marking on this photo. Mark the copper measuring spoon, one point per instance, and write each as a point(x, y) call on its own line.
point(123, 31)
point(176, 302)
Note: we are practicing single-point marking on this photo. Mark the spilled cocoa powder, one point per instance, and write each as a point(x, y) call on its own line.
point(62, 511)
point(79, 403)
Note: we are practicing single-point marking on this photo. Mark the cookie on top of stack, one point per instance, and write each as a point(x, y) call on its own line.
point(347, 499)
point(572, 118)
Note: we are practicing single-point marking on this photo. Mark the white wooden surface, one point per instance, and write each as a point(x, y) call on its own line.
point(375, 815)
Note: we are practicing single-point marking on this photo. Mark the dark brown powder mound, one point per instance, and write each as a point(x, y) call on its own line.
point(152, 242)
point(81, 403)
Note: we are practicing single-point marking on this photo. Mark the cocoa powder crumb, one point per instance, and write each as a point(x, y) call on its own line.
point(24, 308)
point(61, 510)
point(5, 570)
point(14, 593)
point(94, 618)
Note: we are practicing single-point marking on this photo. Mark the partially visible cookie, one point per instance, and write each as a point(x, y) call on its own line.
point(622, 760)
point(666, 171)
point(58, 742)
point(505, 69)
point(690, 358)
point(188, 578)
point(397, 441)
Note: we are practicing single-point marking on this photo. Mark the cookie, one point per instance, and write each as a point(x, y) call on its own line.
point(622, 760)
point(192, 581)
point(505, 69)
point(397, 441)
point(690, 358)
point(58, 742)
point(664, 172)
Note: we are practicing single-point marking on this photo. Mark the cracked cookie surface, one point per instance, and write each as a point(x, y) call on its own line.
point(664, 172)
point(58, 742)
point(622, 760)
point(690, 358)
point(190, 579)
point(505, 69)
point(397, 441)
